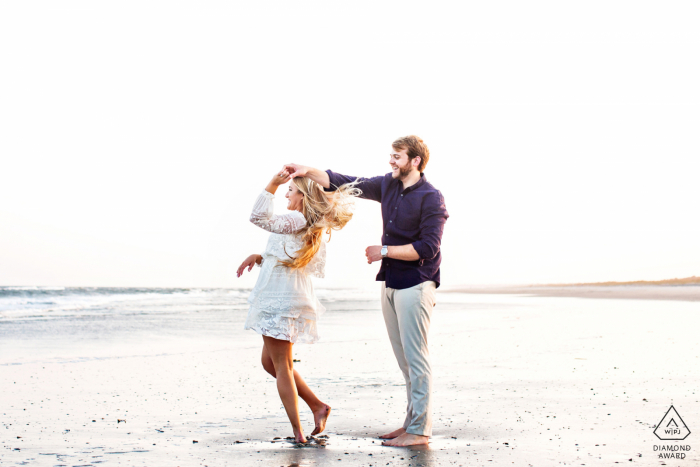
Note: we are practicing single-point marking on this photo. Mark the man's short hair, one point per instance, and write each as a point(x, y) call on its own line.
point(415, 148)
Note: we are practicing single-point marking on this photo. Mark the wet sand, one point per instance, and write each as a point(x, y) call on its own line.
point(517, 381)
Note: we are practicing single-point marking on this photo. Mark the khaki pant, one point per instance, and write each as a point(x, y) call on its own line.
point(407, 317)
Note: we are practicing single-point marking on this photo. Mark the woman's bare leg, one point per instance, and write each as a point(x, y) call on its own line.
point(320, 410)
point(281, 354)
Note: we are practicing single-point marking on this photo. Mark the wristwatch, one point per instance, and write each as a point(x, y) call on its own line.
point(385, 251)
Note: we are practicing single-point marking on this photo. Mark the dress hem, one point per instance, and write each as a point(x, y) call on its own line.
point(297, 339)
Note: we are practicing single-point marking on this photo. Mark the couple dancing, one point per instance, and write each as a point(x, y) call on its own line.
point(284, 308)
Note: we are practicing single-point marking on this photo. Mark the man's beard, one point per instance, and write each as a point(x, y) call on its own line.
point(403, 172)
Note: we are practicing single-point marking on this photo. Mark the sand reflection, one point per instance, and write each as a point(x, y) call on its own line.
point(343, 449)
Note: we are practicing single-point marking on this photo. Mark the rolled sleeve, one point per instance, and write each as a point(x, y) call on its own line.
point(371, 187)
point(431, 228)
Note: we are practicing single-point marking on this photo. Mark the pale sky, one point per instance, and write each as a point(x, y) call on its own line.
point(135, 136)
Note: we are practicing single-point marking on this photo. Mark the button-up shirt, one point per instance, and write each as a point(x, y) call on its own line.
point(415, 215)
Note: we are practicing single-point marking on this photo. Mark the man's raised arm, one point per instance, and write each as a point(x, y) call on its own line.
point(318, 176)
point(371, 188)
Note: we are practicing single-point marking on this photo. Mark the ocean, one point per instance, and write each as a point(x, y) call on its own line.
point(53, 303)
point(45, 322)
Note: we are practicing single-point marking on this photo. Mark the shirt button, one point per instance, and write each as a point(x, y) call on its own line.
point(387, 235)
point(401, 195)
point(390, 222)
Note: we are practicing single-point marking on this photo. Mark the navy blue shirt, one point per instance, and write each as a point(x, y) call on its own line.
point(414, 215)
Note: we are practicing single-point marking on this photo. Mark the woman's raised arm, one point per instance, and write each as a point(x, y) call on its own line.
point(263, 210)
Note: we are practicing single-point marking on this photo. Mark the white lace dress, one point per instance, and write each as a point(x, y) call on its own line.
point(283, 304)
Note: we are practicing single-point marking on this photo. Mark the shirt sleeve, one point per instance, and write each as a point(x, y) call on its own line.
point(263, 216)
point(431, 227)
point(371, 187)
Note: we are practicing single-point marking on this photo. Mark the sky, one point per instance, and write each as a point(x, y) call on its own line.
point(135, 136)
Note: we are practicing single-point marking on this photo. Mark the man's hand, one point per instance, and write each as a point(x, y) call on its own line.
point(318, 176)
point(296, 170)
point(402, 252)
point(249, 262)
point(373, 253)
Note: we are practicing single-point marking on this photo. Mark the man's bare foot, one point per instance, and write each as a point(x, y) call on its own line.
point(299, 437)
point(393, 434)
point(407, 439)
point(320, 417)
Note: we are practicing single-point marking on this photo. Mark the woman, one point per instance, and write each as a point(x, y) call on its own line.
point(283, 306)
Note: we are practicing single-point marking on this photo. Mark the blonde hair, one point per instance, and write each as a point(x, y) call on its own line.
point(324, 212)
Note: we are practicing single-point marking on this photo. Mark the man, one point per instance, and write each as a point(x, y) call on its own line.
point(414, 215)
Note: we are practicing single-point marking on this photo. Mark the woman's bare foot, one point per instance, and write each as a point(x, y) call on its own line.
point(299, 437)
point(407, 439)
point(393, 434)
point(320, 417)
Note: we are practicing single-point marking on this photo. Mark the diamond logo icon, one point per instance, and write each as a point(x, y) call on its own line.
point(671, 427)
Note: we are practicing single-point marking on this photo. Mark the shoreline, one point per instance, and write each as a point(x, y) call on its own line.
point(690, 293)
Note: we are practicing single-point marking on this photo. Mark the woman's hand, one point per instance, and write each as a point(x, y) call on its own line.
point(280, 178)
point(249, 262)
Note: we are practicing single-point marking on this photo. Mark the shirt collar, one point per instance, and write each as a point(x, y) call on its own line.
point(420, 182)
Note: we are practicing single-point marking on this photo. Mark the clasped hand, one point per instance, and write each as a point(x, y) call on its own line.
point(296, 170)
point(280, 178)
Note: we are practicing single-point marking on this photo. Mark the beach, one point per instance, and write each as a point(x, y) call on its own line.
point(169, 377)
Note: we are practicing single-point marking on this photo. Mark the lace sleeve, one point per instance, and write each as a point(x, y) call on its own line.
point(263, 216)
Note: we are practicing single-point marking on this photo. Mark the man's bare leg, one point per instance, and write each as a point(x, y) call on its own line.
point(393, 434)
point(320, 410)
point(407, 439)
